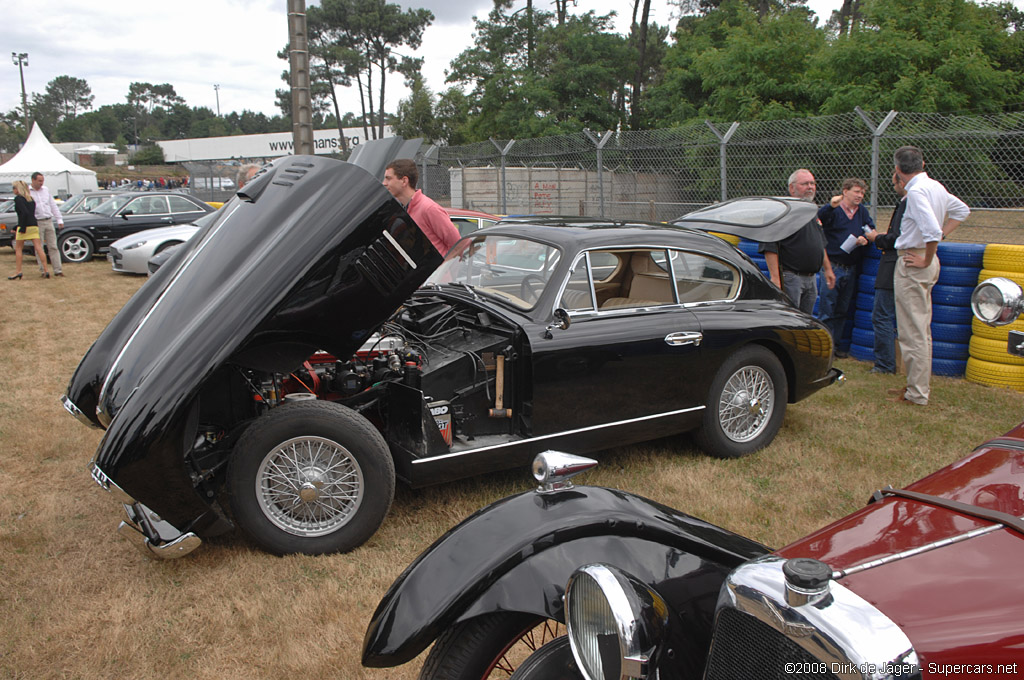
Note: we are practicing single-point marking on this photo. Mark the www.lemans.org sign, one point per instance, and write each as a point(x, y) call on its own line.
point(269, 145)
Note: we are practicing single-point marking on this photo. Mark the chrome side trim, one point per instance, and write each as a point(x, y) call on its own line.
point(850, 637)
point(591, 428)
point(70, 407)
point(107, 483)
point(864, 566)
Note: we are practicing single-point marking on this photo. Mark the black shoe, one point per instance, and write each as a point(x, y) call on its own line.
point(12, 278)
point(840, 354)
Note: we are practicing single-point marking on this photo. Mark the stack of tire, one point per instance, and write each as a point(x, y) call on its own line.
point(750, 248)
point(989, 362)
point(951, 307)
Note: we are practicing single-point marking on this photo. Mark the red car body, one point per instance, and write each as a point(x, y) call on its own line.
point(958, 601)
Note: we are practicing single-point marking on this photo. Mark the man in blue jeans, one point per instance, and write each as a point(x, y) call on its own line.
point(845, 221)
point(883, 314)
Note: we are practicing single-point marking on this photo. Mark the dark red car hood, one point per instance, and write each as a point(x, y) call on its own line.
point(958, 602)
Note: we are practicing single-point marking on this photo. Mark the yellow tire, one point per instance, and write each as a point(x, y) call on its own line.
point(983, 330)
point(1003, 257)
point(735, 240)
point(1016, 276)
point(994, 351)
point(999, 375)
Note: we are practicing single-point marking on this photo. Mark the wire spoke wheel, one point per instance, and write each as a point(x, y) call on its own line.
point(521, 648)
point(309, 486)
point(746, 403)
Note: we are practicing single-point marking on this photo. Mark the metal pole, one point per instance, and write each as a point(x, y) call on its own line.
point(504, 152)
point(298, 59)
point(600, 165)
point(20, 59)
point(722, 141)
point(216, 89)
point(876, 136)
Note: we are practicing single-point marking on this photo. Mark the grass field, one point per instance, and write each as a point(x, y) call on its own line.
point(79, 602)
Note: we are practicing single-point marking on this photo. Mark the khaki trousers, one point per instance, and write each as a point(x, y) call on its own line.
point(912, 287)
point(48, 235)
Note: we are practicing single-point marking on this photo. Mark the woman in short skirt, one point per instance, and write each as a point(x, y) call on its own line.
point(28, 228)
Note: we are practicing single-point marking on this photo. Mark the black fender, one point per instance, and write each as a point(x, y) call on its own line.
point(517, 554)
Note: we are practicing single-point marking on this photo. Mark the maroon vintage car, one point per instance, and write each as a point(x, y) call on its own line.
point(583, 582)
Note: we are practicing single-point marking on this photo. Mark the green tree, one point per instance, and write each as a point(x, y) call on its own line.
point(415, 114)
point(924, 55)
point(69, 94)
point(149, 155)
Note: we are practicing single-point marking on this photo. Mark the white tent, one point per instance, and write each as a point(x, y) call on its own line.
point(38, 155)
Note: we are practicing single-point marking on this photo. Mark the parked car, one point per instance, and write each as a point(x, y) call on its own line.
point(132, 254)
point(158, 259)
point(8, 222)
point(89, 233)
point(468, 221)
point(583, 582)
point(284, 355)
point(86, 201)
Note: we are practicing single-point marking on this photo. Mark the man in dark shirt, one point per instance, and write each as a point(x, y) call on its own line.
point(793, 262)
point(844, 221)
point(883, 314)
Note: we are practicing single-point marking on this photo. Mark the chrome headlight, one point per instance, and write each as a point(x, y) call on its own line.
point(616, 623)
point(997, 301)
point(133, 246)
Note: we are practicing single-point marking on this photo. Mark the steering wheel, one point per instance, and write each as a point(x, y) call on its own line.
point(531, 287)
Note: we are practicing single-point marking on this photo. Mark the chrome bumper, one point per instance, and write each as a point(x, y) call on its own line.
point(152, 535)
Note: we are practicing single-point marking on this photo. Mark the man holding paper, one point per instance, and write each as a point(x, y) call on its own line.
point(844, 221)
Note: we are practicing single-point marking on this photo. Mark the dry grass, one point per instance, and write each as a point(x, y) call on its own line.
point(79, 602)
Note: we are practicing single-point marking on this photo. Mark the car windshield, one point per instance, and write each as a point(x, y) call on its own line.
point(7, 206)
point(752, 212)
point(110, 207)
point(511, 268)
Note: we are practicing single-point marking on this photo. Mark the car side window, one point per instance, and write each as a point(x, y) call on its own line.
point(147, 205)
point(700, 278)
point(576, 295)
point(181, 205)
point(465, 225)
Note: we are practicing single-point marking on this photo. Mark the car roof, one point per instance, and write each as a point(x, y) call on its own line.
point(759, 218)
point(461, 212)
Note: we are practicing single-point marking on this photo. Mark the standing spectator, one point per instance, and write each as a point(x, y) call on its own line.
point(844, 220)
point(793, 262)
point(28, 228)
point(246, 173)
point(883, 313)
point(400, 179)
point(931, 213)
point(46, 214)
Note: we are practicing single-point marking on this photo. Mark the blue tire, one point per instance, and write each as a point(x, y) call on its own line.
point(952, 314)
point(862, 352)
point(961, 254)
point(948, 367)
point(862, 320)
point(957, 296)
point(951, 351)
point(865, 301)
point(866, 283)
point(958, 276)
point(951, 332)
point(869, 266)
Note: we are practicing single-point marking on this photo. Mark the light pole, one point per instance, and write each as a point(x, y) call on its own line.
point(20, 59)
point(216, 88)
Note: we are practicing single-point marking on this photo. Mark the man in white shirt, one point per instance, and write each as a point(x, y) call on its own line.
point(46, 214)
point(931, 213)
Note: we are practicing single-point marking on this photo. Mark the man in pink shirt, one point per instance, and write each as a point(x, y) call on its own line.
point(400, 179)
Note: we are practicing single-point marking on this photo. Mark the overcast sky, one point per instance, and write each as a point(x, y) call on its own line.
point(194, 45)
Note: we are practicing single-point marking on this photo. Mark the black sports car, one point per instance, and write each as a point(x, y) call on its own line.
point(300, 353)
point(85, 234)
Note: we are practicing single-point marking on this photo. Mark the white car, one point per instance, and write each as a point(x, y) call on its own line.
point(131, 253)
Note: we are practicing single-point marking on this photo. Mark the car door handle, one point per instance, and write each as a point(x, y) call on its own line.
point(686, 338)
point(168, 220)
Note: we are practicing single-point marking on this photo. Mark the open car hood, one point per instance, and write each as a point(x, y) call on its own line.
point(758, 218)
point(313, 254)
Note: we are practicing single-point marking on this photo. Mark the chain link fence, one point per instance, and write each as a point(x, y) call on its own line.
point(659, 174)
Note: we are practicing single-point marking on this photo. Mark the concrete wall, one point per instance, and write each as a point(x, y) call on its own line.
point(558, 191)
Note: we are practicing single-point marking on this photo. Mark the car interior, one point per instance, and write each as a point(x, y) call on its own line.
point(640, 278)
